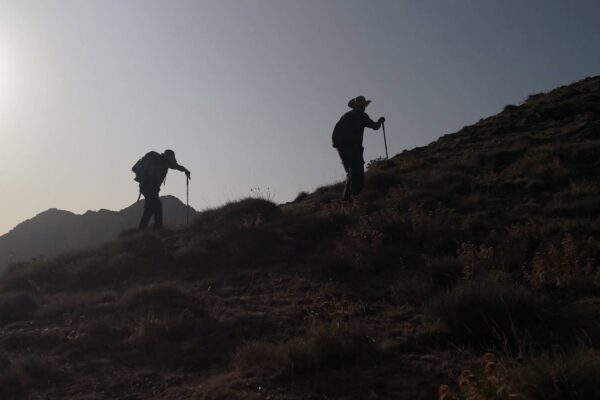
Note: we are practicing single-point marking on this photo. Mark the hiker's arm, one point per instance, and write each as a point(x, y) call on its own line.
point(182, 169)
point(369, 123)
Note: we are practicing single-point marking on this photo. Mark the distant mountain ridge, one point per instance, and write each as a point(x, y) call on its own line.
point(55, 231)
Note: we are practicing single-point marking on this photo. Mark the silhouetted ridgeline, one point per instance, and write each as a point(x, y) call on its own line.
point(55, 231)
point(469, 268)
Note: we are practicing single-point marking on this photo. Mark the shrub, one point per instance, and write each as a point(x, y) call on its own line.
point(12, 387)
point(534, 96)
point(575, 375)
point(301, 197)
point(17, 307)
point(522, 239)
point(41, 275)
point(562, 265)
point(571, 376)
point(30, 341)
point(38, 371)
point(411, 289)
point(360, 244)
point(475, 260)
point(248, 248)
point(431, 225)
point(186, 339)
point(484, 312)
point(443, 271)
point(158, 298)
point(326, 347)
point(145, 245)
point(248, 213)
point(379, 164)
point(89, 303)
point(335, 188)
point(381, 181)
point(99, 337)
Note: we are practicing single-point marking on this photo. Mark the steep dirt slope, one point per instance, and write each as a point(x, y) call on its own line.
point(466, 267)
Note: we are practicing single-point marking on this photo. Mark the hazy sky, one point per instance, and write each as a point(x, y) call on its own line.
point(247, 92)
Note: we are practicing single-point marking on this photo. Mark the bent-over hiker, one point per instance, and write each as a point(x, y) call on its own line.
point(348, 140)
point(151, 172)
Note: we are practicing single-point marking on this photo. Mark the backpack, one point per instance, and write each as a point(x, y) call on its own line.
point(343, 130)
point(337, 136)
point(145, 168)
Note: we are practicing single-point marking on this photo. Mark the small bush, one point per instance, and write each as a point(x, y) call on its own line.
point(301, 197)
point(534, 96)
point(38, 371)
point(78, 302)
point(572, 376)
point(29, 341)
point(327, 347)
point(144, 245)
point(381, 181)
point(41, 275)
point(12, 387)
point(17, 307)
point(431, 225)
point(159, 298)
point(575, 375)
point(563, 265)
point(411, 290)
point(443, 271)
point(245, 213)
point(99, 337)
point(485, 312)
point(475, 260)
point(186, 339)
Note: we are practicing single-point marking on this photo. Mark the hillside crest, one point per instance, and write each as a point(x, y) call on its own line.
point(466, 267)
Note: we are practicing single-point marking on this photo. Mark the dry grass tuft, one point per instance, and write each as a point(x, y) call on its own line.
point(328, 347)
point(244, 213)
point(488, 312)
point(17, 307)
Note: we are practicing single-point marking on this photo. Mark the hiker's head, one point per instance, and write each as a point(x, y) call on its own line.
point(359, 103)
point(170, 154)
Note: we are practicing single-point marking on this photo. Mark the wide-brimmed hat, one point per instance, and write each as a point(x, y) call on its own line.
point(358, 102)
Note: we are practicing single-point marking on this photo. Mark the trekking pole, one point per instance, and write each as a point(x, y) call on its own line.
point(385, 141)
point(187, 201)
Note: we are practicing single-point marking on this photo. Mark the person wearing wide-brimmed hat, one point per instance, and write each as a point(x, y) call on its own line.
point(348, 140)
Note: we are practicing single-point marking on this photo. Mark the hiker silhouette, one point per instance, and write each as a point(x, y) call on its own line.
point(347, 138)
point(151, 172)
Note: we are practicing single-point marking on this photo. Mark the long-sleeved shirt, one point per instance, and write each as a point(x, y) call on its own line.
point(164, 165)
point(349, 130)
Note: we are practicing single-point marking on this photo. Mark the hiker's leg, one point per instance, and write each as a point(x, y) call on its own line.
point(148, 211)
point(158, 214)
point(358, 180)
point(358, 172)
point(150, 206)
point(345, 162)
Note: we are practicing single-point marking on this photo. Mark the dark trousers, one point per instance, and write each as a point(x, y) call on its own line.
point(352, 160)
point(152, 206)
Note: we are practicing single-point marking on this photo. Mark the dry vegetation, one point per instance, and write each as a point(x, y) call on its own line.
point(468, 269)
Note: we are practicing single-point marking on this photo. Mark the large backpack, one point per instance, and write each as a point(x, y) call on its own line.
point(145, 168)
point(342, 131)
point(337, 136)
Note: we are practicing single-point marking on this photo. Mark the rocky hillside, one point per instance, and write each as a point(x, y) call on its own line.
point(55, 231)
point(468, 269)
